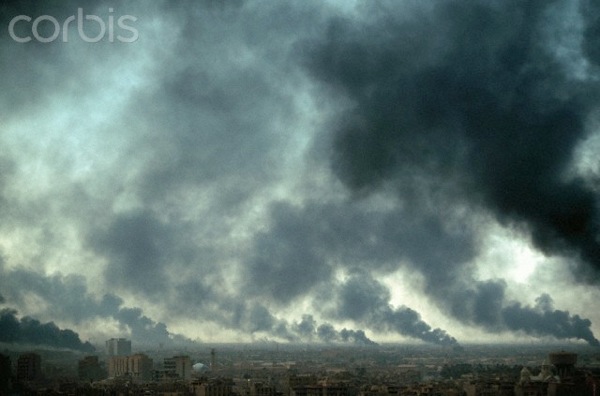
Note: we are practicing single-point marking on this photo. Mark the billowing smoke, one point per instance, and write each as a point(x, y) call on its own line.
point(304, 244)
point(245, 160)
point(476, 98)
point(468, 103)
point(29, 331)
point(68, 298)
point(365, 300)
point(543, 319)
point(308, 330)
point(486, 305)
point(355, 336)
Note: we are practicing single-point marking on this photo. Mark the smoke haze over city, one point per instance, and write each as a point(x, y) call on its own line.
point(317, 171)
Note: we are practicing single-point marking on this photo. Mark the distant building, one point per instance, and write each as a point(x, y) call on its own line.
point(298, 380)
point(118, 347)
point(118, 366)
point(564, 362)
point(321, 390)
point(566, 381)
point(211, 388)
point(140, 367)
point(29, 367)
point(89, 369)
point(495, 387)
point(180, 366)
point(259, 388)
point(5, 374)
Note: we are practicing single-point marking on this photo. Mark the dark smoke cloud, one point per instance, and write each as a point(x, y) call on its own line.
point(498, 108)
point(459, 109)
point(137, 246)
point(365, 300)
point(327, 333)
point(68, 298)
point(290, 249)
point(591, 43)
point(356, 336)
point(543, 319)
point(465, 104)
point(485, 305)
point(307, 327)
point(306, 243)
point(146, 331)
point(257, 320)
point(309, 330)
point(31, 331)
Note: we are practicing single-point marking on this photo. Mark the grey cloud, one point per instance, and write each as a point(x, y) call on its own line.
point(256, 318)
point(34, 71)
point(219, 105)
point(286, 261)
point(305, 242)
point(361, 296)
point(307, 327)
point(317, 237)
point(591, 43)
point(147, 332)
point(326, 333)
point(136, 246)
point(206, 128)
point(309, 330)
point(479, 303)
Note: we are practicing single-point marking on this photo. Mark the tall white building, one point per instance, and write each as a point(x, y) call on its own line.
point(118, 347)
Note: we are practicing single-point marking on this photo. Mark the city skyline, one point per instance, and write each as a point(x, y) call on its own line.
point(321, 171)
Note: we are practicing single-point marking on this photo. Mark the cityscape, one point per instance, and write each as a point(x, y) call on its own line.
point(271, 369)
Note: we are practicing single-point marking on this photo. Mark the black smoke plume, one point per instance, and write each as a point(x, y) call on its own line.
point(365, 300)
point(468, 103)
point(477, 91)
point(308, 330)
point(543, 319)
point(31, 331)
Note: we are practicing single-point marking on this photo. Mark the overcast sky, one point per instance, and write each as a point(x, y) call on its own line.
point(332, 171)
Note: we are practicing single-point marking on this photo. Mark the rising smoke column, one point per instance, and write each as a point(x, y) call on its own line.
point(365, 300)
point(466, 102)
point(309, 330)
point(553, 322)
point(304, 244)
